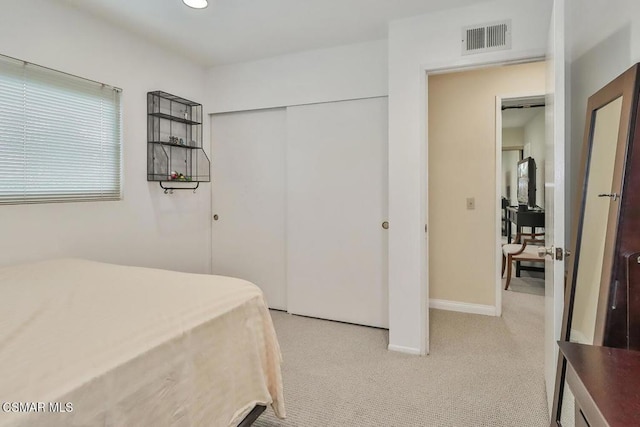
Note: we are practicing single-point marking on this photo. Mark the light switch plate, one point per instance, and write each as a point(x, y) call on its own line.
point(471, 203)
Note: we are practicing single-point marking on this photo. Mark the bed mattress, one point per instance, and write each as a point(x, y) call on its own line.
point(85, 344)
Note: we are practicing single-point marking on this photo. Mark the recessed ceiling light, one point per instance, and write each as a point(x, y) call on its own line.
point(196, 4)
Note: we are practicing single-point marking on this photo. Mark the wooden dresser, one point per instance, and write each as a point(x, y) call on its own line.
point(605, 383)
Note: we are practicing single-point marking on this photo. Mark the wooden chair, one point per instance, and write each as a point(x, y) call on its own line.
point(524, 248)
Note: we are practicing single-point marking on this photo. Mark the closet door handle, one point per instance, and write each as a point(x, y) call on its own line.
point(385, 225)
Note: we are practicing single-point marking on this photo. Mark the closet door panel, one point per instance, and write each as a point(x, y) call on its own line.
point(248, 184)
point(336, 204)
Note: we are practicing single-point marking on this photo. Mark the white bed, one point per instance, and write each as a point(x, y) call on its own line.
point(131, 346)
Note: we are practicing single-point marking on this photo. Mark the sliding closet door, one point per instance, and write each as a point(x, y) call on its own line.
point(248, 184)
point(336, 204)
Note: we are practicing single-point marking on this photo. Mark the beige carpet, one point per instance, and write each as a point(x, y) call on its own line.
point(482, 371)
point(528, 282)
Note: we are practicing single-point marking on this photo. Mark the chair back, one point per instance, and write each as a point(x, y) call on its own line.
point(529, 238)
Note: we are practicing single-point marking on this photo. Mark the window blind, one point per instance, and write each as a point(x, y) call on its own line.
point(60, 136)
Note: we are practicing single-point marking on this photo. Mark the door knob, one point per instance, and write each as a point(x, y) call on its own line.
point(556, 253)
point(385, 225)
point(542, 252)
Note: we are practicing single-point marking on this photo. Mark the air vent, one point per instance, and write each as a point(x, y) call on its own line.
point(486, 38)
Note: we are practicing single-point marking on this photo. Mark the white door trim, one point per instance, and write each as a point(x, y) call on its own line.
point(554, 283)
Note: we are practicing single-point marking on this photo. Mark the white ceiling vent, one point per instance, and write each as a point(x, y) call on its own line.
point(486, 38)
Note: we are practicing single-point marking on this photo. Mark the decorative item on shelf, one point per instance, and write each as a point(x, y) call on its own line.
point(186, 115)
point(181, 141)
point(175, 176)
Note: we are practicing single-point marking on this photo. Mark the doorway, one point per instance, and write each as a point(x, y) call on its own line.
point(520, 164)
point(463, 184)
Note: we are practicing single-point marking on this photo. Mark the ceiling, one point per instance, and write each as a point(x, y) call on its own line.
point(518, 117)
point(229, 31)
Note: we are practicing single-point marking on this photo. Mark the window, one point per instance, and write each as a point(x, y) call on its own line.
point(60, 136)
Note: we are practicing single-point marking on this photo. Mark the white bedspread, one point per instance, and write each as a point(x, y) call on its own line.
point(130, 346)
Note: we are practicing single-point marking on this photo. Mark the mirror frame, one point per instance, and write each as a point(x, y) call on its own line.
point(625, 86)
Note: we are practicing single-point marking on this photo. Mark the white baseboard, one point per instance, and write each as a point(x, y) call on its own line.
point(462, 307)
point(402, 349)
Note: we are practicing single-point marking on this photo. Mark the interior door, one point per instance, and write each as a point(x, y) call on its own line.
point(248, 199)
point(554, 192)
point(336, 205)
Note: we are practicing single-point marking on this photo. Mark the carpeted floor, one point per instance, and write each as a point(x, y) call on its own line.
point(482, 371)
point(528, 282)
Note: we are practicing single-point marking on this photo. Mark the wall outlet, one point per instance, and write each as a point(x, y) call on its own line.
point(471, 203)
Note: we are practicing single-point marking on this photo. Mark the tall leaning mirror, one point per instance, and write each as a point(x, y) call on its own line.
point(596, 307)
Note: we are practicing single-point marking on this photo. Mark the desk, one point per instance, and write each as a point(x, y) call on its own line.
point(604, 382)
point(532, 218)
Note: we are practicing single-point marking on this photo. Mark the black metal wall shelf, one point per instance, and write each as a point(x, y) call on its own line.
point(169, 190)
point(174, 142)
point(175, 119)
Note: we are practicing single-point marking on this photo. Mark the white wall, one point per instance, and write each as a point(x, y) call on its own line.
point(534, 146)
point(512, 138)
point(146, 228)
point(603, 43)
point(415, 44)
point(334, 74)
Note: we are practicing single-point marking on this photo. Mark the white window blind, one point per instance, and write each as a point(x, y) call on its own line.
point(60, 136)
